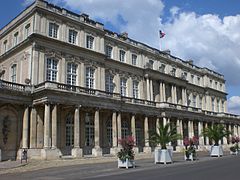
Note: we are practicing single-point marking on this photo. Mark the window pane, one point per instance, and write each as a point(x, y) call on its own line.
point(51, 70)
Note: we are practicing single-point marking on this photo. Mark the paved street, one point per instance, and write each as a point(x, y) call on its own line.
point(206, 168)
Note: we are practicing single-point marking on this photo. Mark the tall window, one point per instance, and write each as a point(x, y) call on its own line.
point(90, 77)
point(109, 132)
point(51, 69)
point(125, 129)
point(162, 68)
point(89, 130)
point(198, 80)
point(69, 130)
point(151, 62)
point(109, 83)
point(210, 85)
point(71, 73)
point(108, 51)
point(123, 87)
point(192, 78)
point(27, 30)
point(218, 106)
point(89, 42)
point(122, 55)
point(15, 39)
point(200, 102)
point(173, 72)
point(53, 30)
point(213, 104)
point(5, 46)
point(135, 89)
point(194, 101)
point(134, 59)
point(14, 73)
point(72, 36)
point(222, 106)
point(220, 88)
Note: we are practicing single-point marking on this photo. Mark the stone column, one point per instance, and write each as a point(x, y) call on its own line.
point(172, 94)
point(119, 126)
point(164, 121)
point(160, 92)
point(114, 148)
point(148, 89)
point(230, 129)
point(190, 129)
point(179, 131)
point(97, 151)
point(175, 94)
point(151, 91)
point(207, 139)
point(133, 127)
point(225, 138)
point(33, 128)
point(200, 129)
point(77, 151)
point(133, 130)
point(25, 128)
point(157, 124)
point(47, 126)
point(146, 148)
point(54, 127)
point(164, 92)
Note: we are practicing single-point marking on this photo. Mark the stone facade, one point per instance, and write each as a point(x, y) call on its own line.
point(70, 87)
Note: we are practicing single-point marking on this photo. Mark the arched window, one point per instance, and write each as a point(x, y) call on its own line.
point(69, 130)
point(109, 132)
point(125, 129)
point(89, 130)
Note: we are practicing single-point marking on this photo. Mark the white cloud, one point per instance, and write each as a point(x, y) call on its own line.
point(208, 40)
point(234, 104)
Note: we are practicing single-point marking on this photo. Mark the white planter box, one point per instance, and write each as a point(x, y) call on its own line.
point(190, 158)
point(234, 153)
point(216, 151)
point(126, 164)
point(163, 156)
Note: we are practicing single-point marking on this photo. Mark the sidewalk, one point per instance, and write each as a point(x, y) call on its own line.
point(32, 165)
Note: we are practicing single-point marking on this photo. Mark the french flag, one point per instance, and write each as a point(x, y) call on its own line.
point(161, 34)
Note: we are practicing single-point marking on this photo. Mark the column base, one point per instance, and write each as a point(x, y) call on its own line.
point(77, 152)
point(147, 149)
point(114, 150)
point(97, 151)
point(136, 150)
point(49, 154)
point(0, 155)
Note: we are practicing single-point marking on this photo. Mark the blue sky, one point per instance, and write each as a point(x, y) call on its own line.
point(206, 31)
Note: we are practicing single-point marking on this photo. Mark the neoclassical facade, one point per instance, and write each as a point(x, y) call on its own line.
point(69, 87)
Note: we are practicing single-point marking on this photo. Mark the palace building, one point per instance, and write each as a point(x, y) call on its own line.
point(69, 87)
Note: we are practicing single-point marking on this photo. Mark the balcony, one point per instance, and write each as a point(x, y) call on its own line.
point(27, 90)
point(15, 86)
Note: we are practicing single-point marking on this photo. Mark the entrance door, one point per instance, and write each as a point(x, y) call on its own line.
point(139, 136)
point(69, 133)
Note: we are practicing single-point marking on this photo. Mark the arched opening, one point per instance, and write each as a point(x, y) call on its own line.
point(9, 142)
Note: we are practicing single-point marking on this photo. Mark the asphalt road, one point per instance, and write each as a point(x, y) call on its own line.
point(224, 168)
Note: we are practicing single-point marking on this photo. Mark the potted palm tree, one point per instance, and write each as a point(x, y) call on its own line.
point(216, 133)
point(163, 136)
